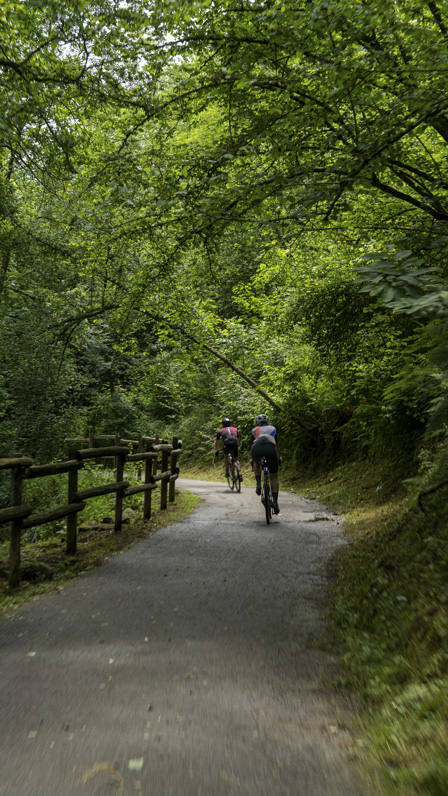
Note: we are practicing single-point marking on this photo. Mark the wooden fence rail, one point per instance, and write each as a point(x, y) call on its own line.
point(152, 453)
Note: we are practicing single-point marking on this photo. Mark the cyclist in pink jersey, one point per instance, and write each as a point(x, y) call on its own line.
point(230, 442)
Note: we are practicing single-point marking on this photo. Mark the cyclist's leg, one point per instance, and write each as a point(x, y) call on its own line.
point(257, 474)
point(256, 456)
point(226, 463)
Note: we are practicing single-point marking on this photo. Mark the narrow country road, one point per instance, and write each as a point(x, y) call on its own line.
point(184, 667)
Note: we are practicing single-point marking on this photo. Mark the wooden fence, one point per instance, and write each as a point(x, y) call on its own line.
point(151, 455)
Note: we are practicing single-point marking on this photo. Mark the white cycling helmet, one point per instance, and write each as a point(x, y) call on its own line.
point(262, 420)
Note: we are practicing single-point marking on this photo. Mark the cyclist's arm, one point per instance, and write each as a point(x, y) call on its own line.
point(217, 440)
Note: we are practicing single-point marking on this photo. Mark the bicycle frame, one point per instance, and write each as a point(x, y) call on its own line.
point(233, 479)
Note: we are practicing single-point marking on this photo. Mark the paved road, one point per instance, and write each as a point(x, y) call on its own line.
point(184, 667)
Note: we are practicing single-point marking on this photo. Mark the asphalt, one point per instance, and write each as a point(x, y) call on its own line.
point(189, 665)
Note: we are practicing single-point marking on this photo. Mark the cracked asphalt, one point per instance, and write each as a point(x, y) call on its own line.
point(189, 665)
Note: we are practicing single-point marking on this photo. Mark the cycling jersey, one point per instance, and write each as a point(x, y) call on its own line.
point(265, 431)
point(264, 445)
point(229, 436)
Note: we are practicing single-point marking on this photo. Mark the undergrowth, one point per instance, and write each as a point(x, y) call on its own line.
point(389, 608)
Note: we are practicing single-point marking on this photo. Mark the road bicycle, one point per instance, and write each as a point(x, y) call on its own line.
point(266, 494)
point(233, 473)
point(234, 476)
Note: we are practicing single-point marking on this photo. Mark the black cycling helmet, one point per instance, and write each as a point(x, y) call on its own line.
point(262, 420)
point(225, 421)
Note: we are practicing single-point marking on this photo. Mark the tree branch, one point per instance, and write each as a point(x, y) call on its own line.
point(256, 387)
point(376, 182)
point(435, 11)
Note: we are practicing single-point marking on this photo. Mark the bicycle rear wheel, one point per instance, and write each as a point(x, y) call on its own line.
point(235, 478)
point(231, 469)
point(237, 482)
point(267, 496)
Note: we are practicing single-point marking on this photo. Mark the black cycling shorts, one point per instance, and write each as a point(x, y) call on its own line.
point(263, 448)
point(231, 446)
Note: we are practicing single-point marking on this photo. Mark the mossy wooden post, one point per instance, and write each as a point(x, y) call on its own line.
point(72, 519)
point(16, 528)
point(119, 495)
point(164, 481)
point(173, 464)
point(148, 493)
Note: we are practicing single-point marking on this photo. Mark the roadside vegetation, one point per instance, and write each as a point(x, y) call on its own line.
point(389, 620)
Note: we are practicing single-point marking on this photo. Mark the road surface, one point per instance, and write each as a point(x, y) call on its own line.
point(187, 666)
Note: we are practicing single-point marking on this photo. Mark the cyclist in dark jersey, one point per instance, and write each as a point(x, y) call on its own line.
point(264, 443)
point(230, 442)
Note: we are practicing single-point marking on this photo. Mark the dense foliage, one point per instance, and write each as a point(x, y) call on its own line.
point(266, 180)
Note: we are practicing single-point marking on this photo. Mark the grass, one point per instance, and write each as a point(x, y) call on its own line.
point(209, 471)
point(389, 617)
point(47, 566)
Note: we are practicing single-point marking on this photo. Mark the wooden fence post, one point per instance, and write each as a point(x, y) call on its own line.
point(164, 481)
point(148, 493)
point(16, 528)
point(173, 465)
point(72, 519)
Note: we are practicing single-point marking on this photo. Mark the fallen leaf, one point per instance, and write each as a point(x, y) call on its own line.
point(136, 764)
